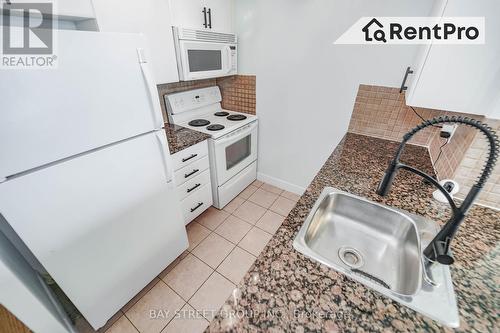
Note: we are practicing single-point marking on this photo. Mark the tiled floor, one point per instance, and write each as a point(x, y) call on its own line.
point(223, 244)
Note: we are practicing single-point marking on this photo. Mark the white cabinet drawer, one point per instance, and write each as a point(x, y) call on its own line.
point(189, 172)
point(194, 184)
point(190, 155)
point(196, 203)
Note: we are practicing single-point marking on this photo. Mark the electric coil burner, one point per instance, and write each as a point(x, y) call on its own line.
point(199, 122)
point(215, 127)
point(221, 113)
point(236, 117)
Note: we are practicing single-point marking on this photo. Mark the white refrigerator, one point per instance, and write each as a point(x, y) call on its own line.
point(85, 170)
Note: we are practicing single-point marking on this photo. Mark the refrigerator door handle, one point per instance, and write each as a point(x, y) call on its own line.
point(162, 142)
point(151, 86)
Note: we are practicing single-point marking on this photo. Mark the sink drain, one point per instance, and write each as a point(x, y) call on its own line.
point(351, 257)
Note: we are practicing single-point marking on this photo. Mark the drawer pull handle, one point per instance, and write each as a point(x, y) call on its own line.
point(193, 188)
point(197, 206)
point(190, 157)
point(186, 175)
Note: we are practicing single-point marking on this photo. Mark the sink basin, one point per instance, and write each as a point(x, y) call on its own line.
point(367, 239)
point(380, 247)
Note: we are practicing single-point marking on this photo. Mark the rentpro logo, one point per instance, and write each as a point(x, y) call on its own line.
point(374, 31)
point(415, 30)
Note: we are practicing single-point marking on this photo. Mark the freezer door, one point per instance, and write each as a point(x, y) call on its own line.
point(103, 224)
point(100, 93)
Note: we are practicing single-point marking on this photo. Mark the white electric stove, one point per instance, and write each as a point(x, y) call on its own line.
point(233, 142)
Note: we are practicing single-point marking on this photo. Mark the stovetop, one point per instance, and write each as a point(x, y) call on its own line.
point(201, 110)
point(218, 123)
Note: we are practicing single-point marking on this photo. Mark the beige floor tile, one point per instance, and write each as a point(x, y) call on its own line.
point(81, 325)
point(188, 321)
point(249, 212)
point(263, 198)
point(270, 222)
point(196, 233)
point(235, 266)
point(233, 229)
point(140, 294)
point(257, 183)
point(233, 205)
point(188, 276)
point(213, 250)
point(212, 218)
point(282, 206)
point(291, 196)
point(271, 188)
point(153, 311)
point(173, 264)
point(122, 325)
point(212, 295)
point(255, 241)
point(246, 193)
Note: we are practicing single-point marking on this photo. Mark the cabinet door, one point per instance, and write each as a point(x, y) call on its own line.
point(67, 8)
point(461, 78)
point(149, 17)
point(188, 13)
point(221, 15)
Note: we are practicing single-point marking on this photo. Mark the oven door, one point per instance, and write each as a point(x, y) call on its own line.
point(200, 60)
point(235, 151)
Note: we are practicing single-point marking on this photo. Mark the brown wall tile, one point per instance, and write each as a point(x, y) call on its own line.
point(238, 92)
point(471, 166)
point(382, 112)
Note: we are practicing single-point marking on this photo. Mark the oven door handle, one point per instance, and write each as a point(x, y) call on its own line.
point(242, 132)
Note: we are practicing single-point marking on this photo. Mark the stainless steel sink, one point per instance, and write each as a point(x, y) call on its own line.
point(380, 247)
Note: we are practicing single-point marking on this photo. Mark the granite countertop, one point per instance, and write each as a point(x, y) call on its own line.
point(180, 138)
point(286, 292)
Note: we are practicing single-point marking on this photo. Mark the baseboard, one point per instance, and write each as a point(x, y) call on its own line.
point(280, 183)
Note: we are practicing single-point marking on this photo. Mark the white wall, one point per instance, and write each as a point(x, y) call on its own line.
point(306, 86)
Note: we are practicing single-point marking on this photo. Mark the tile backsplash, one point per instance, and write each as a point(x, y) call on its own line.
point(471, 166)
point(238, 92)
point(382, 112)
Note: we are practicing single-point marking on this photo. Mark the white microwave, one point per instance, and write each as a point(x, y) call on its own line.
point(205, 54)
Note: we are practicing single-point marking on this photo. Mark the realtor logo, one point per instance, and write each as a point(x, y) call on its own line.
point(36, 28)
point(27, 35)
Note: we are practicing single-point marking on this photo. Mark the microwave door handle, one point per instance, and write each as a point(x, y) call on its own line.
point(227, 51)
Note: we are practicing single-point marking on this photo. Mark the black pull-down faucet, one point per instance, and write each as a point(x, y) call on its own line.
point(439, 248)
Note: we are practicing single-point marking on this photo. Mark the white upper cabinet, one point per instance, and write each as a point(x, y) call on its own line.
point(74, 8)
point(214, 15)
point(461, 78)
point(67, 9)
point(189, 14)
point(149, 17)
point(221, 15)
